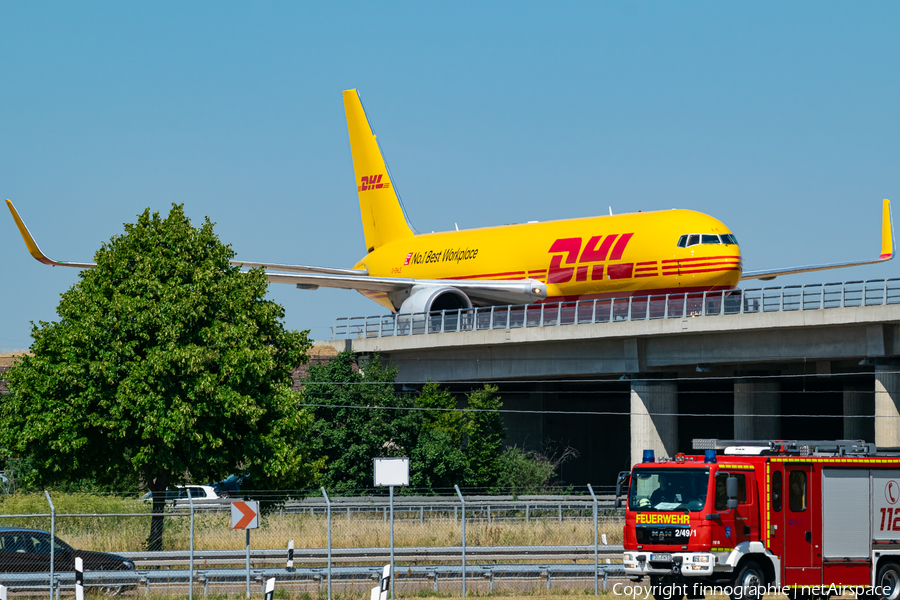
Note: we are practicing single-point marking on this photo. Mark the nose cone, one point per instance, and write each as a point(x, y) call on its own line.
point(720, 264)
point(710, 256)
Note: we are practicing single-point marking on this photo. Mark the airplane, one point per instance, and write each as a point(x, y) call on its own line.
point(636, 254)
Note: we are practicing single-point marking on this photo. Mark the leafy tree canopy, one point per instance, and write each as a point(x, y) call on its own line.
point(360, 416)
point(165, 361)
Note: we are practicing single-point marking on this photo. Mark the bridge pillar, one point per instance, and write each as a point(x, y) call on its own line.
point(859, 408)
point(887, 397)
point(757, 397)
point(649, 429)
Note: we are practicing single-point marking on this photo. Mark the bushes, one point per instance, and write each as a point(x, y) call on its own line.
point(523, 472)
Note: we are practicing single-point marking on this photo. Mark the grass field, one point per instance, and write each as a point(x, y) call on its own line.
point(213, 529)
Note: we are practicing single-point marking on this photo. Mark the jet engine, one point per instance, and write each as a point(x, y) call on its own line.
point(427, 299)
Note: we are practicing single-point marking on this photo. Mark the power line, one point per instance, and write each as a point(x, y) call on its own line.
point(581, 412)
point(608, 380)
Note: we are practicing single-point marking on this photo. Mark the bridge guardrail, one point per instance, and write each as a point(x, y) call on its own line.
point(820, 296)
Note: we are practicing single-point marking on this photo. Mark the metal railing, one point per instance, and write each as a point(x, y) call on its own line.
point(819, 296)
point(483, 508)
point(170, 559)
point(112, 583)
point(487, 508)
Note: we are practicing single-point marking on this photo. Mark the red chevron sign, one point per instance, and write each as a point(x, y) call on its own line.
point(245, 515)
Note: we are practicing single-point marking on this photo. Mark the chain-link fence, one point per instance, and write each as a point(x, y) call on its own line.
point(311, 542)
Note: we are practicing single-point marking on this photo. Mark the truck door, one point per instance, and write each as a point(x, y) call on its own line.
point(802, 527)
point(731, 533)
point(746, 520)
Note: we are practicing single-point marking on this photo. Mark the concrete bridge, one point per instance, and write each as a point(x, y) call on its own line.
point(612, 377)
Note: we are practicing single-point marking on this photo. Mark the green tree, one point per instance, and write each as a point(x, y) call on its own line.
point(438, 459)
point(484, 437)
point(166, 361)
point(350, 430)
point(361, 416)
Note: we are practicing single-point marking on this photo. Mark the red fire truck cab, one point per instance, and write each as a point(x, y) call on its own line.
point(804, 515)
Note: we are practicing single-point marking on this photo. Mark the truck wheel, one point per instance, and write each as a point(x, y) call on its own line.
point(889, 581)
point(749, 583)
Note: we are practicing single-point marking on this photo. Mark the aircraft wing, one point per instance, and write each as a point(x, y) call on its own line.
point(887, 253)
point(39, 255)
point(33, 248)
point(522, 291)
point(298, 269)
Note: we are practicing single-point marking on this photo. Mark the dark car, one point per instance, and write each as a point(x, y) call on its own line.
point(28, 551)
point(231, 486)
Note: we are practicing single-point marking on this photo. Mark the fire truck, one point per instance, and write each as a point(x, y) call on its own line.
point(808, 517)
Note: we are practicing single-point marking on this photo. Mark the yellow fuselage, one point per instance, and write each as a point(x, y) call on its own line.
point(578, 259)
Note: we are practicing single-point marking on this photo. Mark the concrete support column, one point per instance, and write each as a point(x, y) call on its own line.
point(757, 397)
point(654, 424)
point(887, 396)
point(859, 409)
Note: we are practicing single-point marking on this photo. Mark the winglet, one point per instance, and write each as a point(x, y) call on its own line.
point(887, 232)
point(33, 248)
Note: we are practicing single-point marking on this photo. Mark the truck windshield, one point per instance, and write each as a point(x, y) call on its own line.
point(668, 489)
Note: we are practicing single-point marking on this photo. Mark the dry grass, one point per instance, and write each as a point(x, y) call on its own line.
point(213, 529)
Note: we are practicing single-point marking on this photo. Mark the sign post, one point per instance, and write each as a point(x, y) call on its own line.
point(390, 472)
point(245, 515)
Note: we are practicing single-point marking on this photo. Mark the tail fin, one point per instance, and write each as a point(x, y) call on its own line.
point(382, 216)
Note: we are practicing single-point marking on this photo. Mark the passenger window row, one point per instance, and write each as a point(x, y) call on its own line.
point(693, 239)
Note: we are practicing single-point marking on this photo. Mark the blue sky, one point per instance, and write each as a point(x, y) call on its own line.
point(780, 119)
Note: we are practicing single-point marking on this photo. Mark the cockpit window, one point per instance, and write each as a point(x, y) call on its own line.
point(729, 238)
point(692, 239)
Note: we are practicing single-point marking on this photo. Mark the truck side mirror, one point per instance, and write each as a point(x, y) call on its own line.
point(622, 481)
point(731, 490)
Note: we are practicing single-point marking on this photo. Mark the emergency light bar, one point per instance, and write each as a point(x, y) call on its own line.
point(795, 447)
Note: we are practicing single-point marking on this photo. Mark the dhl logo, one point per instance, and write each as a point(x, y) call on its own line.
point(663, 519)
point(372, 182)
point(599, 248)
point(571, 251)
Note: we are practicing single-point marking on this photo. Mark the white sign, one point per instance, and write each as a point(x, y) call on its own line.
point(886, 505)
point(245, 515)
point(391, 471)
